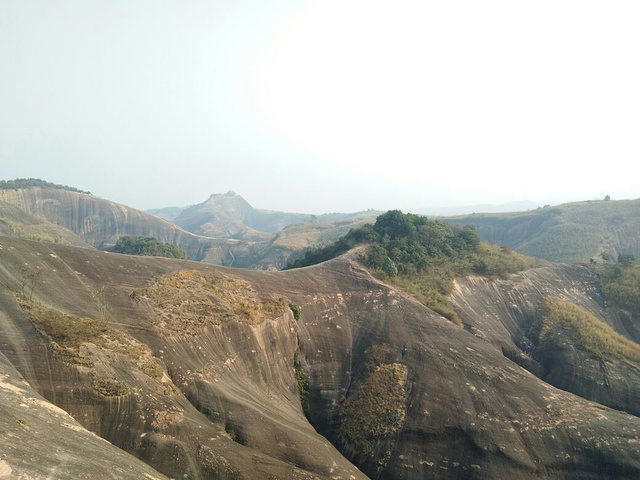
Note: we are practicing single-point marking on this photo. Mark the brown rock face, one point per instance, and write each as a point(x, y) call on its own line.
point(398, 390)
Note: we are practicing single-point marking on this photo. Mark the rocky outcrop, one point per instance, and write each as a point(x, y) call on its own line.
point(210, 394)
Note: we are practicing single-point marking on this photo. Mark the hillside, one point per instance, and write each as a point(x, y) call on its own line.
point(192, 369)
point(511, 315)
point(573, 232)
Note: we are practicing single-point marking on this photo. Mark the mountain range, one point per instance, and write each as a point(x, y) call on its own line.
point(192, 369)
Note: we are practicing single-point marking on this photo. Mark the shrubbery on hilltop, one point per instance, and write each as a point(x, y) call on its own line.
point(422, 256)
point(35, 182)
point(149, 246)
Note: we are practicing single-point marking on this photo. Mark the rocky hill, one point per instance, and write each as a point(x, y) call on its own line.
point(72, 217)
point(509, 314)
point(573, 232)
point(204, 372)
point(231, 216)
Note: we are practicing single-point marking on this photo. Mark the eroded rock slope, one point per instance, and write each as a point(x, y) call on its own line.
point(192, 369)
point(507, 314)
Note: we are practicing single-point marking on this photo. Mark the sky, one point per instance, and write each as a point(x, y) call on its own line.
point(323, 106)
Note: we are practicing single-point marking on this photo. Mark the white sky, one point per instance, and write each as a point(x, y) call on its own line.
point(325, 105)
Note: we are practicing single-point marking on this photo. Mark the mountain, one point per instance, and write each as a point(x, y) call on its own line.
point(573, 232)
point(204, 372)
point(231, 216)
point(76, 218)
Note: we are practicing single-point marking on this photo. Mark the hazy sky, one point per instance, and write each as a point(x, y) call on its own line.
point(320, 106)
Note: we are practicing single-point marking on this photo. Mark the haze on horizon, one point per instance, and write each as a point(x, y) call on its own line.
point(319, 106)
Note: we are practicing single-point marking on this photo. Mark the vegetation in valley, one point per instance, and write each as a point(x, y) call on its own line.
point(422, 256)
point(148, 246)
point(620, 283)
point(377, 409)
point(572, 232)
point(589, 333)
point(35, 182)
point(302, 382)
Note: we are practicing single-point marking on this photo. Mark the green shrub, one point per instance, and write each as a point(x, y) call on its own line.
point(302, 382)
point(148, 246)
point(620, 286)
point(297, 311)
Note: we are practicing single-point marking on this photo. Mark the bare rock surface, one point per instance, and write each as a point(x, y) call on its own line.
point(40, 440)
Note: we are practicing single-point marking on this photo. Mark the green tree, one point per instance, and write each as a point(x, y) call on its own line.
point(395, 224)
point(627, 259)
point(150, 246)
point(389, 267)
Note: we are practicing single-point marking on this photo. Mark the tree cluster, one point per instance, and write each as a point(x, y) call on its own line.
point(422, 256)
point(621, 283)
point(35, 182)
point(149, 246)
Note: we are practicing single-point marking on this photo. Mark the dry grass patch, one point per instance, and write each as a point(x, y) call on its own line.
point(110, 388)
point(188, 300)
point(589, 332)
point(378, 409)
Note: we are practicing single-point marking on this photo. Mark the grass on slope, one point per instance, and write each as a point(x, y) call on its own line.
point(590, 333)
point(68, 333)
point(378, 409)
